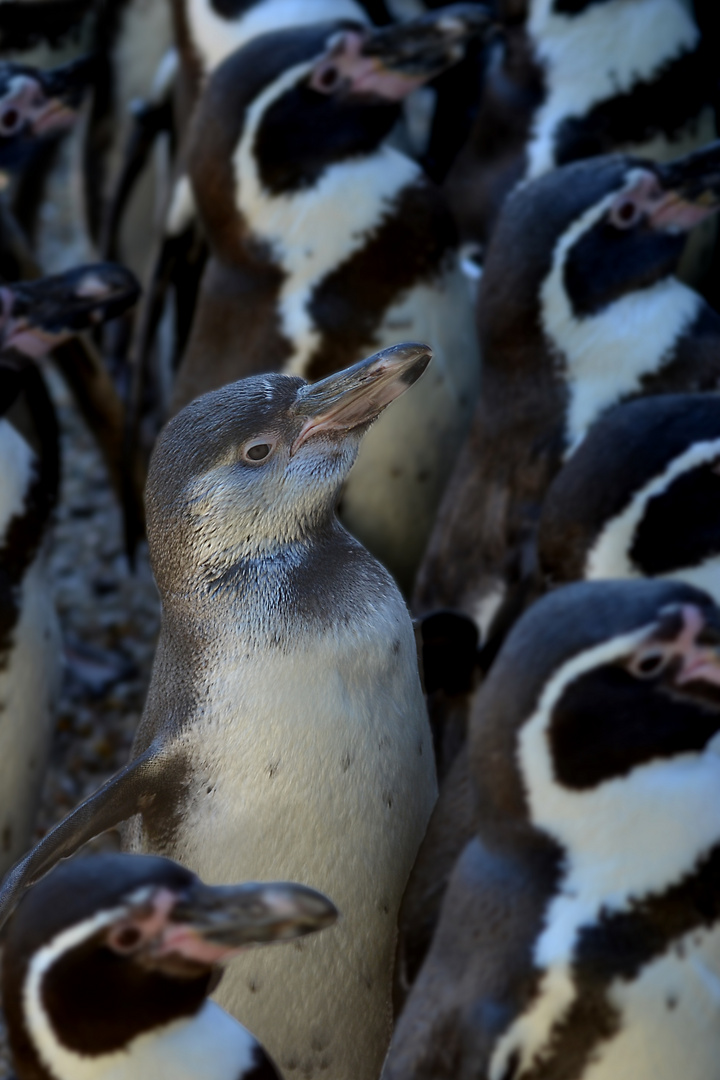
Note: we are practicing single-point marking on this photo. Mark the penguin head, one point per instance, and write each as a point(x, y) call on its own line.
point(640, 497)
point(37, 315)
point(248, 470)
point(106, 949)
point(288, 105)
point(38, 104)
point(598, 729)
point(576, 241)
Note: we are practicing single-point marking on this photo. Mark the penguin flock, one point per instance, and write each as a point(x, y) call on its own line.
point(400, 341)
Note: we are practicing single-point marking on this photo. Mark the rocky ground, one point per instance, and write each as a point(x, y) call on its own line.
point(109, 615)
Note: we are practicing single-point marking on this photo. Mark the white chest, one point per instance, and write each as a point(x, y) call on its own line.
point(215, 37)
point(597, 55)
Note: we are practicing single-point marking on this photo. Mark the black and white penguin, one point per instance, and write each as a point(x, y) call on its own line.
point(37, 105)
point(571, 79)
point(580, 934)
point(327, 242)
point(579, 309)
point(285, 728)
point(109, 961)
point(34, 318)
point(640, 497)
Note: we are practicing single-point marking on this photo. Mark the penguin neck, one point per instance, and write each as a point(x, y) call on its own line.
point(642, 37)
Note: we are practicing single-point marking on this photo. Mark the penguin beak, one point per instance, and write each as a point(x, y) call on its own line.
point(51, 309)
point(355, 397)
point(393, 61)
point(691, 187)
point(41, 103)
point(208, 923)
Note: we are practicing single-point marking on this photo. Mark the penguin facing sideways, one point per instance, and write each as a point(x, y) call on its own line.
point(109, 962)
point(285, 730)
point(33, 319)
point(579, 936)
point(326, 243)
point(640, 497)
point(37, 105)
point(579, 309)
point(574, 80)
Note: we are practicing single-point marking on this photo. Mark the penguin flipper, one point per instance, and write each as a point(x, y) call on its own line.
point(154, 774)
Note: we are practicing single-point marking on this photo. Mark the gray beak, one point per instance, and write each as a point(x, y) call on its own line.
point(355, 397)
point(425, 46)
point(253, 913)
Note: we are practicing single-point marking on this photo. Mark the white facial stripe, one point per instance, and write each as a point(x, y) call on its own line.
point(610, 836)
point(638, 37)
point(215, 37)
point(19, 464)
point(610, 555)
point(609, 352)
point(311, 232)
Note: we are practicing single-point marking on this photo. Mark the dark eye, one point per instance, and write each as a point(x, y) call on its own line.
point(258, 451)
point(648, 664)
point(126, 939)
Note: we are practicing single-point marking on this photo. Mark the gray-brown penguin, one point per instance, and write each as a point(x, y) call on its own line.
point(326, 242)
point(109, 961)
point(640, 497)
point(580, 934)
point(285, 730)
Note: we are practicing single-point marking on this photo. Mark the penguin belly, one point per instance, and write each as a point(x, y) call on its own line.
point(393, 492)
point(313, 762)
point(669, 1016)
point(30, 669)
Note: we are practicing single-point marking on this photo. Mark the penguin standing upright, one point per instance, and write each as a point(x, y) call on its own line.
point(110, 960)
point(580, 934)
point(326, 242)
point(33, 319)
point(285, 729)
point(574, 80)
point(640, 497)
point(579, 309)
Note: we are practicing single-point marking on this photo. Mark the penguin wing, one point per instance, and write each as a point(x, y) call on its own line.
point(478, 976)
point(155, 774)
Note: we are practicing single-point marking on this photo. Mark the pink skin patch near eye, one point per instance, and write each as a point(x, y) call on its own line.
point(662, 209)
point(698, 662)
point(345, 66)
point(151, 929)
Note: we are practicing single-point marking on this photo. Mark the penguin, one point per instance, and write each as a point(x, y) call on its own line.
point(285, 729)
point(109, 961)
point(37, 105)
point(639, 497)
point(579, 309)
point(33, 319)
point(327, 242)
point(571, 79)
point(579, 934)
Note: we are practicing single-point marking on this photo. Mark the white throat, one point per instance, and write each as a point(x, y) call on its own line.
point(598, 54)
point(606, 354)
point(313, 231)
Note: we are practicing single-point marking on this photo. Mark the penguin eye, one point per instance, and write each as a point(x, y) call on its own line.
point(648, 663)
point(625, 213)
point(257, 451)
point(124, 939)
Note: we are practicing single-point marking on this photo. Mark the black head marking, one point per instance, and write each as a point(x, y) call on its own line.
point(624, 451)
point(559, 627)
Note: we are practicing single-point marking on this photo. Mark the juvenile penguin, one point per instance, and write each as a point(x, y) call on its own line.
point(109, 961)
point(640, 497)
point(570, 80)
point(579, 309)
point(285, 731)
point(580, 934)
point(33, 319)
point(326, 243)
